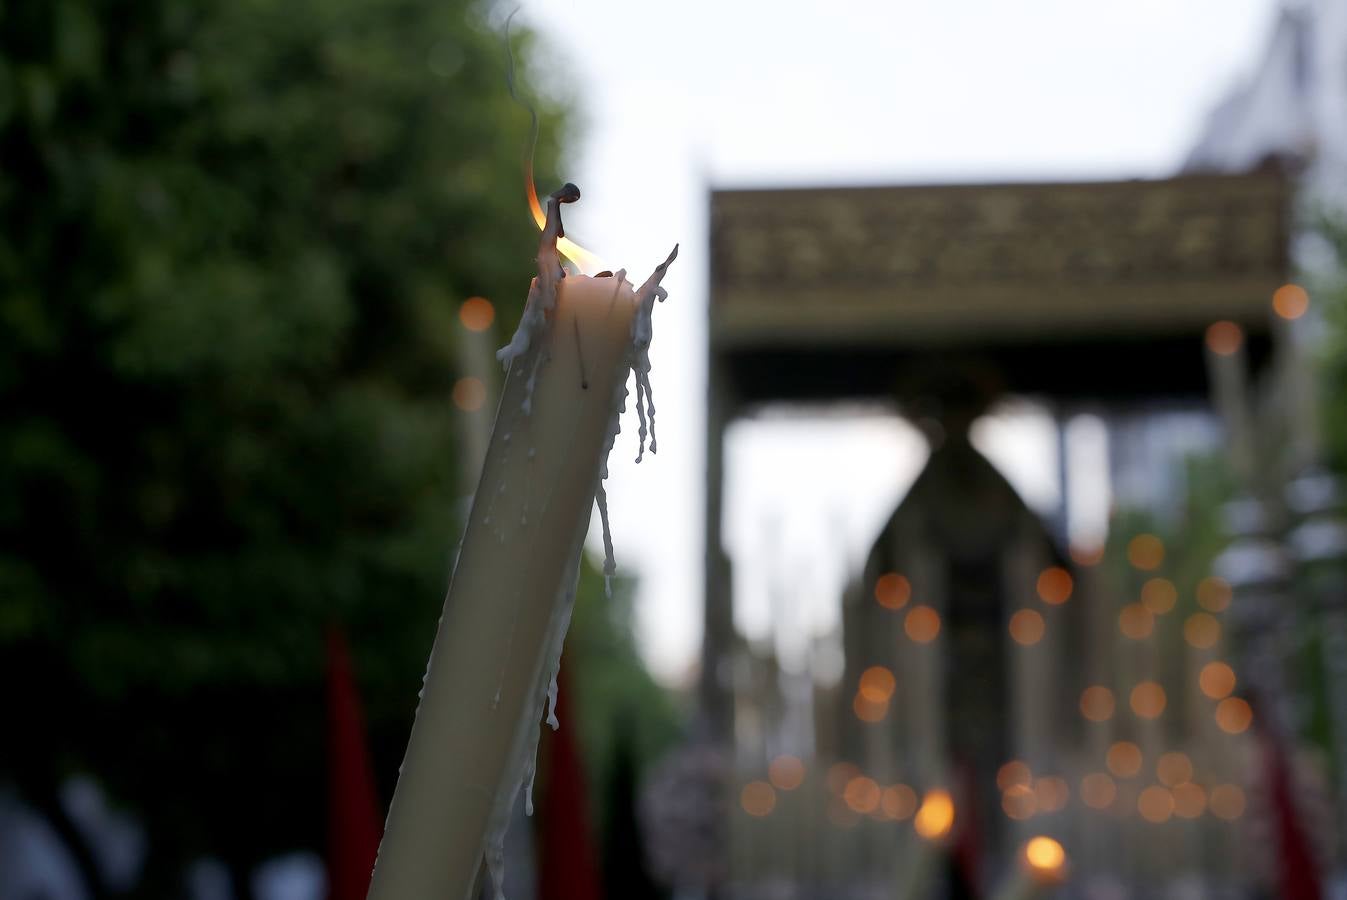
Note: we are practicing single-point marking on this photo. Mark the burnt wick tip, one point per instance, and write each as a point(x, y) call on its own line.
point(567, 193)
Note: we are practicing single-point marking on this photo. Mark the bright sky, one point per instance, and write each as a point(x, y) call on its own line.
point(682, 98)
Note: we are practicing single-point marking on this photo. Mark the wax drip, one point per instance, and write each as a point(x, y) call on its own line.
point(522, 765)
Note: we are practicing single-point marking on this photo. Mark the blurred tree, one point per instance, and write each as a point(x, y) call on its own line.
point(1330, 297)
point(236, 234)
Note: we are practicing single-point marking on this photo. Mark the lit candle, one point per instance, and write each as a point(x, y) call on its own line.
point(498, 646)
point(933, 823)
point(1042, 866)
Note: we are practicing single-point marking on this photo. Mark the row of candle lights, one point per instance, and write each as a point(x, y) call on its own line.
point(1023, 796)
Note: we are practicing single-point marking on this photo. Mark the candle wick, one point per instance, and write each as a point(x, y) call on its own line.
point(580, 354)
point(567, 193)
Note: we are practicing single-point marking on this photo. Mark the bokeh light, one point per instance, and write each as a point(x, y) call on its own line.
point(469, 393)
point(1054, 585)
point(1026, 627)
point(1216, 679)
point(477, 314)
point(1202, 630)
point(936, 816)
point(839, 774)
point(1012, 773)
point(1098, 790)
point(1148, 700)
point(1159, 595)
point(877, 684)
point(786, 772)
point(1051, 793)
point(757, 798)
point(1045, 858)
point(1290, 301)
point(1156, 804)
point(1136, 621)
point(1190, 800)
point(868, 710)
point(892, 591)
point(1224, 338)
point(1124, 759)
point(922, 624)
point(1146, 552)
point(1019, 801)
point(1234, 715)
point(1173, 768)
point(861, 794)
point(1096, 703)
point(899, 801)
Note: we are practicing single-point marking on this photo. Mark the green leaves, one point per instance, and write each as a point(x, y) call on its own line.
point(237, 235)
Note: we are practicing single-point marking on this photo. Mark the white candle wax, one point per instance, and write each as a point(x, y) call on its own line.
point(499, 639)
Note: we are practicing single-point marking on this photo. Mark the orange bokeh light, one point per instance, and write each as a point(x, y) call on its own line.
point(1013, 773)
point(1234, 715)
point(839, 774)
point(1146, 551)
point(1148, 700)
point(1156, 804)
point(1054, 585)
point(1096, 703)
point(892, 591)
point(786, 772)
point(1159, 595)
point(1026, 627)
point(1124, 759)
point(757, 798)
point(935, 818)
point(1290, 301)
point(861, 794)
point(477, 313)
point(469, 393)
point(1224, 338)
point(1174, 768)
point(1201, 630)
point(898, 801)
point(1136, 621)
point(1046, 859)
point(868, 710)
point(1216, 679)
point(877, 684)
point(1019, 801)
point(922, 624)
point(1189, 800)
point(1051, 793)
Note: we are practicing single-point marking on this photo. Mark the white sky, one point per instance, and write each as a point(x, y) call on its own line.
point(684, 97)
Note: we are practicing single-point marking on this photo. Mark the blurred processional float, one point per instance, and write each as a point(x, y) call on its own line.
point(1127, 739)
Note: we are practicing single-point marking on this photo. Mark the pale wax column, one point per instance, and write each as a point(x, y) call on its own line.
point(499, 639)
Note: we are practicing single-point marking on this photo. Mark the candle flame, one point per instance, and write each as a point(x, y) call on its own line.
point(1045, 859)
point(935, 818)
point(581, 258)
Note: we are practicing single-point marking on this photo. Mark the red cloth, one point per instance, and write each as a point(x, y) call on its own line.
point(567, 859)
point(353, 823)
point(1297, 870)
point(967, 872)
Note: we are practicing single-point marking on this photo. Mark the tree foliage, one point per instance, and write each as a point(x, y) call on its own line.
point(237, 232)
